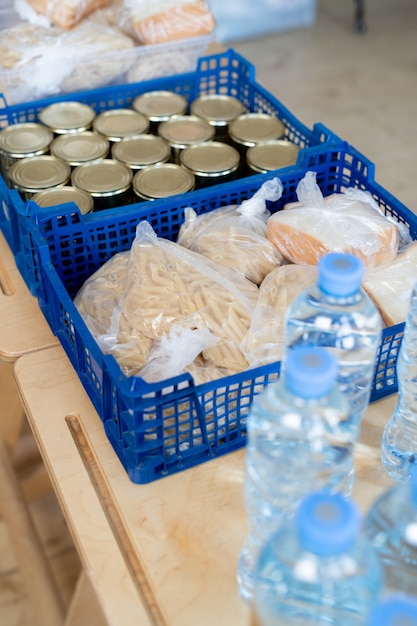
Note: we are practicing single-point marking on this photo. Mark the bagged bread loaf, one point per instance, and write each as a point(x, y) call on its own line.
point(172, 302)
point(235, 236)
point(345, 222)
point(41, 62)
point(65, 13)
point(167, 20)
point(390, 287)
point(264, 341)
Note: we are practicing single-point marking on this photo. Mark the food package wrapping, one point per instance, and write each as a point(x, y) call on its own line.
point(64, 14)
point(154, 307)
point(161, 21)
point(349, 222)
point(40, 61)
point(264, 341)
point(235, 236)
point(390, 286)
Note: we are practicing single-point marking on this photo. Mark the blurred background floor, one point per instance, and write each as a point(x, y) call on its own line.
point(361, 86)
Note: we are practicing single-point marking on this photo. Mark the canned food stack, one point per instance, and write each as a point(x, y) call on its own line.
point(160, 146)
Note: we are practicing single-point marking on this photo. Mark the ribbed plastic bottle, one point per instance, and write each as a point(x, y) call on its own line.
point(318, 569)
point(399, 439)
point(391, 525)
point(337, 313)
point(394, 611)
point(300, 438)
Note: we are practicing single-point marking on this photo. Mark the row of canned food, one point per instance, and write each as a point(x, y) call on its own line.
point(159, 147)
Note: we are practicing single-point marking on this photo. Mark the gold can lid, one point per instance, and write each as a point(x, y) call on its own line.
point(116, 124)
point(217, 109)
point(78, 148)
point(186, 130)
point(61, 195)
point(210, 159)
point(139, 151)
point(33, 174)
point(67, 117)
point(102, 178)
point(25, 139)
point(162, 180)
point(272, 155)
point(250, 129)
point(160, 105)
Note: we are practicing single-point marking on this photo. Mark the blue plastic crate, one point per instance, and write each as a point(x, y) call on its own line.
point(226, 73)
point(162, 428)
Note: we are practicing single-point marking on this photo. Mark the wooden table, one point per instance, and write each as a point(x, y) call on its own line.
point(23, 327)
point(185, 530)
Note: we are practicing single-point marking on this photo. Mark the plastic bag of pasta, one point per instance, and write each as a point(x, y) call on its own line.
point(264, 341)
point(170, 295)
point(235, 236)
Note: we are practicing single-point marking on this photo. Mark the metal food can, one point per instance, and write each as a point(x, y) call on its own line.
point(107, 181)
point(159, 106)
point(183, 131)
point(249, 129)
point(119, 123)
point(140, 151)
point(19, 141)
point(219, 111)
point(67, 117)
point(272, 155)
point(162, 181)
point(78, 148)
point(211, 163)
point(33, 174)
point(62, 195)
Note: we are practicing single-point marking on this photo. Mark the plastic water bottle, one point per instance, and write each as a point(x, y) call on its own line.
point(391, 525)
point(337, 313)
point(398, 610)
point(399, 439)
point(318, 568)
point(300, 438)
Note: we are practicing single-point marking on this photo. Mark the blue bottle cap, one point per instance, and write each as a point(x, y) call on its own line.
point(310, 371)
point(327, 524)
point(394, 611)
point(340, 274)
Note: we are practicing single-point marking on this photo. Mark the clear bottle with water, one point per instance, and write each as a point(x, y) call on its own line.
point(391, 525)
point(399, 439)
point(397, 610)
point(300, 438)
point(318, 568)
point(337, 313)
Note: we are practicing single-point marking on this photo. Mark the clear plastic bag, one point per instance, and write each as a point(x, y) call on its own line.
point(169, 295)
point(264, 341)
point(161, 21)
point(235, 236)
point(342, 222)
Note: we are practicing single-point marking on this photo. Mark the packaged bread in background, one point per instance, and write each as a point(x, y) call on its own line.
point(162, 21)
point(170, 296)
point(64, 14)
point(45, 61)
point(235, 236)
point(348, 222)
point(390, 287)
point(264, 341)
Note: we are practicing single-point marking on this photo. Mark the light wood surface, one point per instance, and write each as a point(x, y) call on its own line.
point(186, 529)
point(23, 327)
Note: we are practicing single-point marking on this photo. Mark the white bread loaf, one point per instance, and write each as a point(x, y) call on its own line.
point(303, 234)
point(390, 287)
point(159, 22)
point(66, 13)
